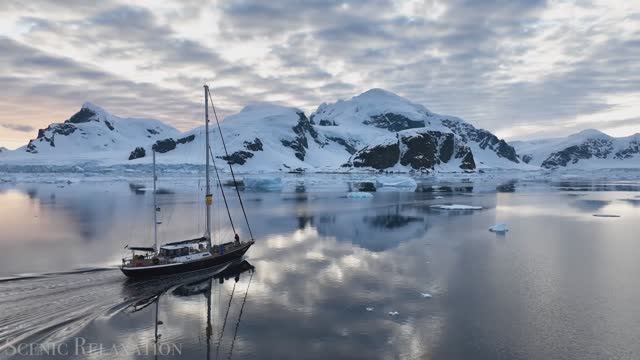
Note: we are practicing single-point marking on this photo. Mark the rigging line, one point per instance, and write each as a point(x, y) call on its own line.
point(222, 190)
point(235, 183)
point(224, 323)
point(235, 333)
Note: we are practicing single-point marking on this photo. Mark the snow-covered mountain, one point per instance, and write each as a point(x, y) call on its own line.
point(588, 149)
point(91, 134)
point(383, 130)
point(376, 130)
point(261, 137)
point(2, 148)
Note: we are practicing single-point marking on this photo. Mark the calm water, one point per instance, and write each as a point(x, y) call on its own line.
point(327, 271)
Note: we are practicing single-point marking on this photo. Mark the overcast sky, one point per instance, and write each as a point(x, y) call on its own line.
point(522, 69)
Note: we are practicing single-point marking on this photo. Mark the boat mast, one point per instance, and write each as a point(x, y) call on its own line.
point(208, 196)
point(155, 204)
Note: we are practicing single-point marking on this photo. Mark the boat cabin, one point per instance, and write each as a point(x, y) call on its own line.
point(171, 251)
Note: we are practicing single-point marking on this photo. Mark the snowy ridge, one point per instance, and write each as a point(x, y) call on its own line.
point(588, 149)
point(91, 134)
point(374, 131)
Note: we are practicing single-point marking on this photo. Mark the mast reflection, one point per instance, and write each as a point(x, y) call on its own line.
point(148, 292)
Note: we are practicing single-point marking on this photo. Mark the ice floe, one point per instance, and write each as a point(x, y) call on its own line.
point(263, 183)
point(426, 295)
point(456, 207)
point(359, 195)
point(369, 308)
point(499, 228)
point(394, 313)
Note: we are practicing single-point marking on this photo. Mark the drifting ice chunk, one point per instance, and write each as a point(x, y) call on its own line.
point(393, 313)
point(263, 183)
point(426, 295)
point(499, 228)
point(397, 182)
point(456, 207)
point(359, 195)
point(439, 197)
point(369, 308)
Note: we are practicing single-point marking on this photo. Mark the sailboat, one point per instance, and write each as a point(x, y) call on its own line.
point(193, 254)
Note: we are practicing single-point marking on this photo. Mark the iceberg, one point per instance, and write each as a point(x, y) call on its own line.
point(263, 183)
point(359, 195)
point(394, 313)
point(426, 295)
point(499, 228)
point(397, 182)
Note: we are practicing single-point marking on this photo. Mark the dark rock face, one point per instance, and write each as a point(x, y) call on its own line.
point(82, 116)
point(237, 158)
point(106, 122)
point(468, 163)
point(300, 144)
point(526, 159)
point(153, 131)
point(393, 122)
point(351, 149)
point(630, 151)
point(31, 148)
point(327, 123)
point(484, 138)
point(162, 146)
point(186, 139)
point(137, 153)
point(421, 150)
point(49, 134)
point(256, 145)
point(598, 148)
point(64, 129)
point(378, 157)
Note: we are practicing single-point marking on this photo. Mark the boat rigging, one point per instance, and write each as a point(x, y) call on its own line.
point(192, 254)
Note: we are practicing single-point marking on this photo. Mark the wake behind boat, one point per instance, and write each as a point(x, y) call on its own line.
point(194, 254)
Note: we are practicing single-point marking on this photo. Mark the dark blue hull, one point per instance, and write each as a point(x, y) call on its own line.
point(208, 262)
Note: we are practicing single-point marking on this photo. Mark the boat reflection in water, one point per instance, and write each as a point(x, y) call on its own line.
point(150, 292)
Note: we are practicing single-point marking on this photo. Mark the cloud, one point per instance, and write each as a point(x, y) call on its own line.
point(516, 67)
point(18, 127)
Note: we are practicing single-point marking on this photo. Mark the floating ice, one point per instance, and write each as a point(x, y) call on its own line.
point(369, 308)
point(499, 228)
point(439, 197)
point(263, 183)
point(606, 215)
point(359, 195)
point(397, 182)
point(456, 207)
point(426, 295)
point(393, 313)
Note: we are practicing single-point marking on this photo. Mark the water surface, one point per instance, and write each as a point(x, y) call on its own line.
point(327, 271)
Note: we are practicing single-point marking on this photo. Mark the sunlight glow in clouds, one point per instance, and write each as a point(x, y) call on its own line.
point(520, 68)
